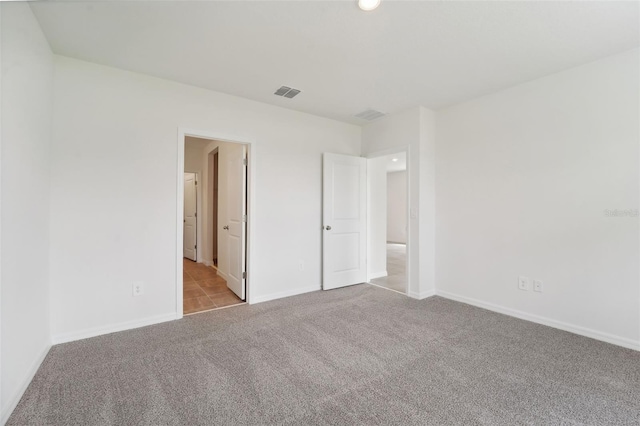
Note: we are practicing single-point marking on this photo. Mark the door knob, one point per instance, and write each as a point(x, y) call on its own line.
point(328, 228)
point(226, 227)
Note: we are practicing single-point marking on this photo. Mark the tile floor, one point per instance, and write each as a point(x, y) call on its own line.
point(396, 278)
point(204, 289)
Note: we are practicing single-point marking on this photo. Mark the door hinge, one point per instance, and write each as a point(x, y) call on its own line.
point(196, 182)
point(195, 214)
point(244, 218)
point(195, 247)
point(244, 275)
point(244, 161)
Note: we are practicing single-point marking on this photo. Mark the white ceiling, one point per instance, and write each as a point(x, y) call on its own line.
point(430, 53)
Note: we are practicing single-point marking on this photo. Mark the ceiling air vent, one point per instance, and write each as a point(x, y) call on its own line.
point(370, 115)
point(287, 92)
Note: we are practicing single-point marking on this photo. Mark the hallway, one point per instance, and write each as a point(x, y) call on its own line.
point(204, 289)
point(396, 278)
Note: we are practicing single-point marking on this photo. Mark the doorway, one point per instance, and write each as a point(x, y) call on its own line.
point(214, 272)
point(387, 183)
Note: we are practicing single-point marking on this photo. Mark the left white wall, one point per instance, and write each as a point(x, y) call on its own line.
point(114, 195)
point(27, 75)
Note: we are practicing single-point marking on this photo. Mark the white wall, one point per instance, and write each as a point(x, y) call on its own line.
point(193, 152)
point(524, 177)
point(27, 73)
point(413, 130)
point(397, 207)
point(113, 199)
point(377, 217)
point(427, 203)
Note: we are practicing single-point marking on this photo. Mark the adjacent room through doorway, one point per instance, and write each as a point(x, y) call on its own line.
point(214, 224)
point(388, 221)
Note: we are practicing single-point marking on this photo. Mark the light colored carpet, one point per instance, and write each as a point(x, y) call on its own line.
point(396, 278)
point(359, 355)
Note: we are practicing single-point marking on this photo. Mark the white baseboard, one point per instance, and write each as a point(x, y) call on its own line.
point(222, 274)
point(288, 293)
point(374, 275)
point(575, 329)
point(15, 399)
point(112, 328)
point(423, 295)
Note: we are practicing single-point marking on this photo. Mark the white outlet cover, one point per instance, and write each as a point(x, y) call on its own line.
point(524, 283)
point(137, 288)
point(537, 285)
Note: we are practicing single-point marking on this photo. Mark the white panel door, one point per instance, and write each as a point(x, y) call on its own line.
point(236, 211)
point(189, 223)
point(344, 241)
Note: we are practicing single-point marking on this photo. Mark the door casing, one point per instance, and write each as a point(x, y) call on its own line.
point(251, 196)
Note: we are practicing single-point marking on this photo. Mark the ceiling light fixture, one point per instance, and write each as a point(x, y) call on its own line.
point(368, 5)
point(394, 159)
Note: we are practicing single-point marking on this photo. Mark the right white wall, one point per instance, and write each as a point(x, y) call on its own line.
point(524, 178)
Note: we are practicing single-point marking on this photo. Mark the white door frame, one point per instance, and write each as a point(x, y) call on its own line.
point(182, 133)
point(383, 153)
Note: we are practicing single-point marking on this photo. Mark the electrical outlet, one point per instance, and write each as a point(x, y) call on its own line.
point(537, 285)
point(301, 265)
point(138, 288)
point(524, 283)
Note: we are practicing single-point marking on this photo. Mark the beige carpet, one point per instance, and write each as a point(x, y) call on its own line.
point(359, 355)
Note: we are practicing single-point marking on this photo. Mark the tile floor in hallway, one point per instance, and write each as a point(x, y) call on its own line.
point(204, 289)
point(396, 278)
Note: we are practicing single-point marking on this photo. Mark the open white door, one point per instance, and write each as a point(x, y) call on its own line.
point(344, 235)
point(237, 226)
point(189, 224)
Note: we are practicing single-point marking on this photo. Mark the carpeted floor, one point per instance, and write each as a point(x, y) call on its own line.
point(359, 355)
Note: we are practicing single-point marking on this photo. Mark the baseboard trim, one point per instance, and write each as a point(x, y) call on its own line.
point(112, 328)
point(375, 275)
point(282, 294)
point(575, 329)
point(423, 295)
point(15, 399)
point(222, 274)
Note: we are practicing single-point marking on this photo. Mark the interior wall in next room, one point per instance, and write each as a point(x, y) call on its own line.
point(377, 217)
point(397, 207)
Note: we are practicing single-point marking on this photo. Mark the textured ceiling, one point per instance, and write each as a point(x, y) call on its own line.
point(432, 53)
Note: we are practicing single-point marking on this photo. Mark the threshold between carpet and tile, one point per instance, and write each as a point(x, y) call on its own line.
point(203, 289)
point(357, 355)
point(396, 278)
